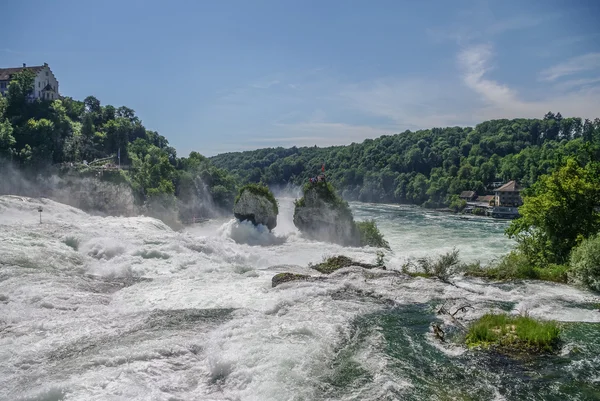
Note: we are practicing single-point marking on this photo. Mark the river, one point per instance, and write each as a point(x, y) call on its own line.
point(110, 308)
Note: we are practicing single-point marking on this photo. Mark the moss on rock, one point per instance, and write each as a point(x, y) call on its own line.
point(281, 278)
point(323, 215)
point(257, 204)
point(334, 263)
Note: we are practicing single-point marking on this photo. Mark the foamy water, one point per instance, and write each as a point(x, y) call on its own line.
point(111, 308)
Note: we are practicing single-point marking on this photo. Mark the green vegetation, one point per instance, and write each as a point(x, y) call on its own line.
point(329, 265)
point(559, 211)
point(477, 211)
point(442, 267)
point(426, 167)
point(321, 212)
point(370, 234)
point(35, 135)
point(260, 190)
point(456, 204)
point(585, 263)
point(281, 278)
point(513, 333)
point(516, 266)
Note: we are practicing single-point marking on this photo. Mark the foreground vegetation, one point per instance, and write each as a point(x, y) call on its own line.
point(513, 334)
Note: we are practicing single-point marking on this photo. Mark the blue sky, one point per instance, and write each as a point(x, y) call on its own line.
point(218, 76)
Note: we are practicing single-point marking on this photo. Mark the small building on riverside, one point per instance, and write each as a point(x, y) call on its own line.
point(486, 199)
point(45, 85)
point(468, 196)
point(508, 195)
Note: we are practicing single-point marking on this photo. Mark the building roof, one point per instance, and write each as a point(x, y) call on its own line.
point(467, 194)
point(6, 73)
point(510, 186)
point(485, 198)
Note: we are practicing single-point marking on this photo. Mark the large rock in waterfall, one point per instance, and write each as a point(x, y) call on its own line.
point(257, 204)
point(321, 214)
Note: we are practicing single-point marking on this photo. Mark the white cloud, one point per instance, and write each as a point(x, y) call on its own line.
point(586, 62)
point(501, 101)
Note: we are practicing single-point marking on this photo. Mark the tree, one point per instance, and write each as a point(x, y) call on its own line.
point(19, 90)
point(558, 212)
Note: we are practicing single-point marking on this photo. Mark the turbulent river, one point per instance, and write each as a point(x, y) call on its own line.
point(109, 308)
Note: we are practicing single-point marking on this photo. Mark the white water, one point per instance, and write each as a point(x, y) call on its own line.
point(141, 312)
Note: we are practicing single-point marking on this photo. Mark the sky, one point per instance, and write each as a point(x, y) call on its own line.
point(221, 76)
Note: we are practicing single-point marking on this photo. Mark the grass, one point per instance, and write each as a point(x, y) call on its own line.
point(516, 266)
point(370, 234)
point(513, 333)
point(259, 190)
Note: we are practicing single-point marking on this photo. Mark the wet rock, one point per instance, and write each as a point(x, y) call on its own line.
point(256, 204)
point(337, 262)
point(323, 215)
point(281, 278)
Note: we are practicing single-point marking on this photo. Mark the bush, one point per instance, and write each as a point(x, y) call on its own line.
point(478, 211)
point(585, 263)
point(443, 267)
point(516, 266)
point(456, 204)
point(513, 333)
point(370, 234)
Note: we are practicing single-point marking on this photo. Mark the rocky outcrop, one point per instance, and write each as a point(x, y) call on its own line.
point(337, 262)
point(256, 204)
point(281, 278)
point(323, 215)
point(328, 266)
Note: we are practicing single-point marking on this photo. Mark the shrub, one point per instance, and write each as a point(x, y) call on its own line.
point(585, 263)
point(516, 266)
point(478, 211)
point(456, 204)
point(513, 333)
point(442, 267)
point(370, 234)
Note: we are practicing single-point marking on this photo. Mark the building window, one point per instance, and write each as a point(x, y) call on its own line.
point(46, 73)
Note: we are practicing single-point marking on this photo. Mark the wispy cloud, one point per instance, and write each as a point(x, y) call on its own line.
point(501, 101)
point(586, 62)
point(475, 63)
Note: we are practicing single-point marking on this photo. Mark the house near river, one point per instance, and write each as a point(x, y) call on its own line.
point(504, 204)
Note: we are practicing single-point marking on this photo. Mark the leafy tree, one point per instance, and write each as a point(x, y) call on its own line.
point(558, 212)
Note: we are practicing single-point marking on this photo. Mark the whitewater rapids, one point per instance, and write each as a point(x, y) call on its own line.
point(112, 308)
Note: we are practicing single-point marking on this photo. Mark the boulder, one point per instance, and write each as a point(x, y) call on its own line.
point(337, 262)
point(281, 278)
point(323, 215)
point(256, 204)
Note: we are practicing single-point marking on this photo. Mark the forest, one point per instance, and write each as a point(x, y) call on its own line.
point(427, 167)
point(38, 134)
